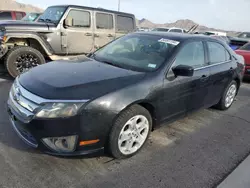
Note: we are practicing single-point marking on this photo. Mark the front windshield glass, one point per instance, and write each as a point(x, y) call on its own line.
point(244, 35)
point(137, 52)
point(31, 17)
point(52, 14)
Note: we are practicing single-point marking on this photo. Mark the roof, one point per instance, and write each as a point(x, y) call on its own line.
point(176, 36)
point(92, 8)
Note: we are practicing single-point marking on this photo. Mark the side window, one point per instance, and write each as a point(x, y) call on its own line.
point(104, 21)
point(80, 18)
point(125, 23)
point(217, 52)
point(191, 54)
point(5, 16)
point(19, 15)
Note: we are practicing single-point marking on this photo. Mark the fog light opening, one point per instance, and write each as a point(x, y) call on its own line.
point(61, 144)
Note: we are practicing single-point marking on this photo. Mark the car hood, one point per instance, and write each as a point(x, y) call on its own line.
point(77, 80)
point(13, 25)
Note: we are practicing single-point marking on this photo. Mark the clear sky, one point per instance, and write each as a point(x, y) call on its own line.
point(222, 14)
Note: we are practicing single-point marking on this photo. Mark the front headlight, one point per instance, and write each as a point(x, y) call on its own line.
point(56, 110)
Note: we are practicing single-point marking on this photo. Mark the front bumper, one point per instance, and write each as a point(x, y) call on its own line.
point(32, 130)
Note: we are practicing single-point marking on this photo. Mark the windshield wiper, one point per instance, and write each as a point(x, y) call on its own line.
point(46, 20)
point(40, 19)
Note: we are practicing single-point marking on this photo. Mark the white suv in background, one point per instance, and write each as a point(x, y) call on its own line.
point(172, 29)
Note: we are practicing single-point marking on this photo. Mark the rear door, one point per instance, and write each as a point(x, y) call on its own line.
point(221, 70)
point(78, 38)
point(182, 94)
point(124, 24)
point(104, 28)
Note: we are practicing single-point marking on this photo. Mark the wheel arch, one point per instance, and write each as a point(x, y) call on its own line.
point(32, 40)
point(145, 104)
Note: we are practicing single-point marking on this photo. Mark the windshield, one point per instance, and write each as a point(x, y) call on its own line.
point(244, 35)
point(137, 52)
point(52, 14)
point(245, 47)
point(31, 17)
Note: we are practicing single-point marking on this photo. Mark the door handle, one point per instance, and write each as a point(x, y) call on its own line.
point(88, 34)
point(109, 35)
point(96, 35)
point(204, 78)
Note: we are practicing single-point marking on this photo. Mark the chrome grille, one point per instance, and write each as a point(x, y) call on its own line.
point(17, 92)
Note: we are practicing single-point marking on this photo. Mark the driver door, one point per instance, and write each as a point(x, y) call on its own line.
point(183, 94)
point(79, 37)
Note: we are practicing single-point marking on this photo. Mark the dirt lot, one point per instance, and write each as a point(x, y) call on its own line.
point(198, 151)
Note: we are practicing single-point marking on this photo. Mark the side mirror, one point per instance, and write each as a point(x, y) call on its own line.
point(68, 22)
point(183, 70)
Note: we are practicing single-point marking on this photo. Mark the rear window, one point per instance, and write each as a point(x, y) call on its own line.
point(19, 15)
point(161, 29)
point(217, 53)
point(104, 21)
point(175, 30)
point(5, 16)
point(125, 23)
point(245, 47)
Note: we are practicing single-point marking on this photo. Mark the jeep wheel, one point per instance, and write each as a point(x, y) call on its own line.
point(22, 58)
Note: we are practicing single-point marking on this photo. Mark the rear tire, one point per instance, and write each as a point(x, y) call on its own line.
point(228, 96)
point(130, 131)
point(22, 58)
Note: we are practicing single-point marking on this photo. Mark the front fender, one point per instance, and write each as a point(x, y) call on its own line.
point(31, 35)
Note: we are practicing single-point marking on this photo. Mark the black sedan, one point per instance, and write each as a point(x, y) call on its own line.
point(116, 96)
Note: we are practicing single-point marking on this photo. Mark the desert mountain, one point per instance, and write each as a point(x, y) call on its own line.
point(183, 23)
point(13, 5)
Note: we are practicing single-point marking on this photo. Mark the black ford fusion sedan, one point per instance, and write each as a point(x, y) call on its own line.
point(116, 96)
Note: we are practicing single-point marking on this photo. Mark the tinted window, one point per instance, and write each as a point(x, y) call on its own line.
point(125, 23)
point(161, 29)
point(80, 18)
point(5, 16)
point(175, 30)
point(217, 52)
point(19, 15)
point(191, 54)
point(245, 47)
point(104, 21)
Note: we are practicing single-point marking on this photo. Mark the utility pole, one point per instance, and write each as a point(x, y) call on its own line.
point(119, 3)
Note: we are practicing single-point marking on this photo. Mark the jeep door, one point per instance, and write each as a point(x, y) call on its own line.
point(104, 31)
point(78, 38)
point(124, 25)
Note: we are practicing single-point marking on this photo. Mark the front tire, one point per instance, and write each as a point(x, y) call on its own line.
point(22, 58)
point(130, 132)
point(228, 96)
